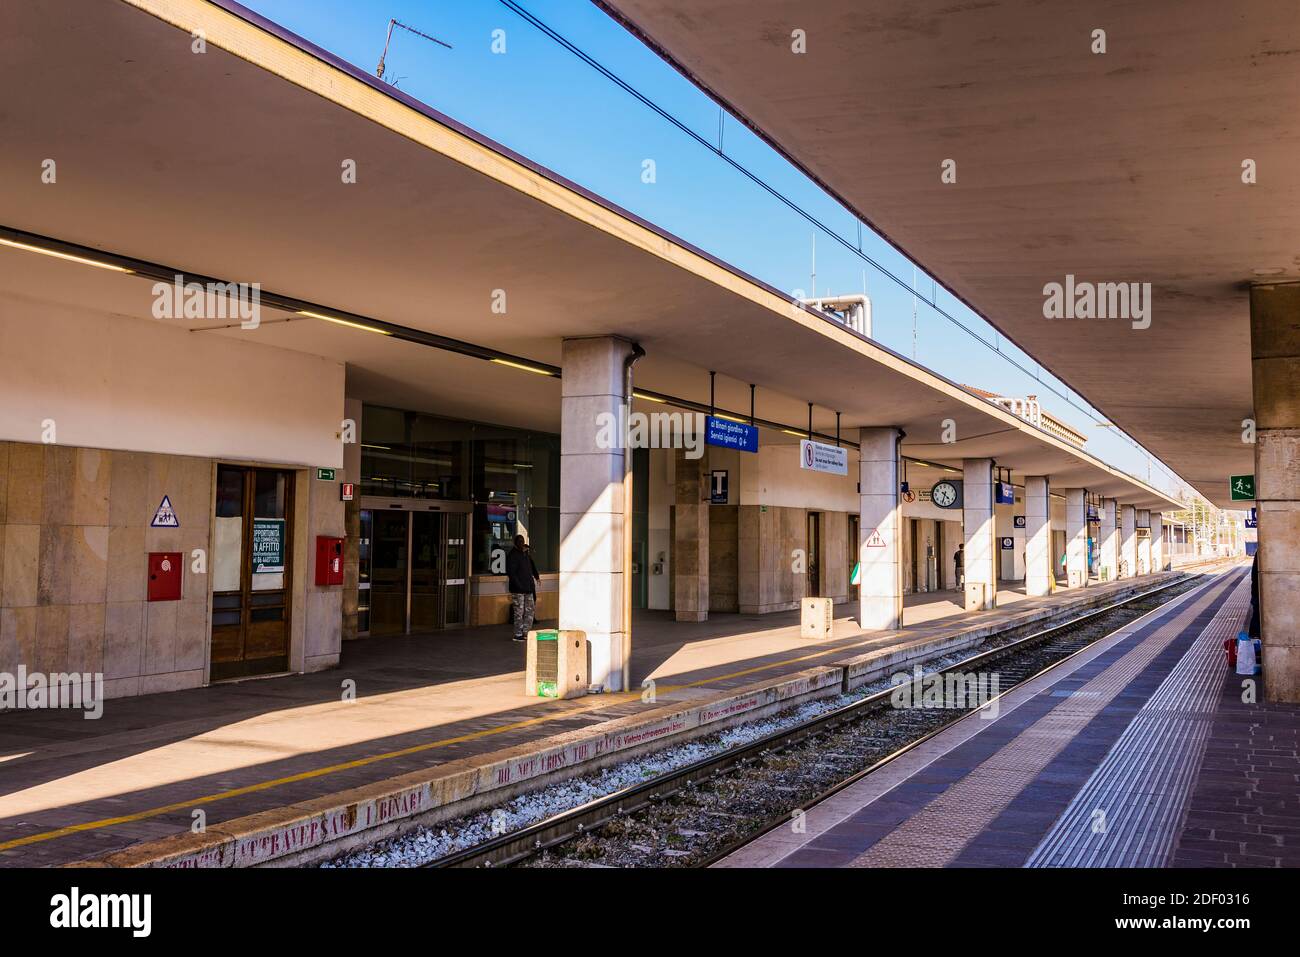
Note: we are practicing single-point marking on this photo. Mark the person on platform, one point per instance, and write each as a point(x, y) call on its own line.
point(959, 563)
point(522, 572)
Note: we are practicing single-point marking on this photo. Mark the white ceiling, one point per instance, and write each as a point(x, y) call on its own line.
point(215, 165)
point(1117, 167)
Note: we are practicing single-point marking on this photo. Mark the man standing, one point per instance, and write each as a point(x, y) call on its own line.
point(522, 572)
point(959, 563)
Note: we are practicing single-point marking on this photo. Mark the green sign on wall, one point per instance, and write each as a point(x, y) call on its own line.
point(268, 546)
point(1242, 488)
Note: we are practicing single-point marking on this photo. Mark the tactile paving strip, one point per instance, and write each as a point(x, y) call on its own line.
point(936, 834)
point(1128, 812)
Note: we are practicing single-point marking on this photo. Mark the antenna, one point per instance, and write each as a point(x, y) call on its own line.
point(914, 312)
point(379, 70)
point(814, 265)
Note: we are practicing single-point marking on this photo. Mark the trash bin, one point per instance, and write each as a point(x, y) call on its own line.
point(557, 664)
point(817, 619)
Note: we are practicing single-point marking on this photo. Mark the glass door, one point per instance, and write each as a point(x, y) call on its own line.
point(388, 574)
point(455, 564)
point(251, 568)
point(426, 565)
point(414, 574)
point(363, 571)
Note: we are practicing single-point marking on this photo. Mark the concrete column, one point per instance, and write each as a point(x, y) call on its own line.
point(1108, 535)
point(1157, 542)
point(591, 501)
point(880, 531)
point(980, 530)
point(1038, 537)
point(1275, 366)
point(1076, 538)
point(352, 523)
point(691, 539)
point(1128, 551)
point(1143, 520)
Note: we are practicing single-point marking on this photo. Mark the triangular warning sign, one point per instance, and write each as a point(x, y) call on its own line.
point(165, 517)
point(875, 539)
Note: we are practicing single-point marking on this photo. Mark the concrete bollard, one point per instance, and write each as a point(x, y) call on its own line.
point(557, 664)
point(817, 618)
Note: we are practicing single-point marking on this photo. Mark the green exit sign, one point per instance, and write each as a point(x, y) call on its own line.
point(325, 475)
point(1242, 488)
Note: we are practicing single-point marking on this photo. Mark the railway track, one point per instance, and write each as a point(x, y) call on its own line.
point(699, 813)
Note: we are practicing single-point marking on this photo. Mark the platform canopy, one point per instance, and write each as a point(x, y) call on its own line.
point(1118, 166)
point(228, 164)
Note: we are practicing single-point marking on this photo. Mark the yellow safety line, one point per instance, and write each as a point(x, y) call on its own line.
point(596, 703)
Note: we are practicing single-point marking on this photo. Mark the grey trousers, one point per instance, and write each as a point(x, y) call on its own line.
point(523, 605)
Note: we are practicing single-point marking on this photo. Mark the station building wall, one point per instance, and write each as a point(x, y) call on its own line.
point(768, 503)
point(101, 417)
point(758, 538)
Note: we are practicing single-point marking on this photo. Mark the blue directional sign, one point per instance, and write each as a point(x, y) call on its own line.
point(1252, 519)
point(1004, 493)
point(726, 434)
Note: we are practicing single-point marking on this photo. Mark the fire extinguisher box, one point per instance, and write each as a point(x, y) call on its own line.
point(164, 576)
point(329, 560)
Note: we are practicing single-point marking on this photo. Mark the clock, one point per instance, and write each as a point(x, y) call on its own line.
point(944, 494)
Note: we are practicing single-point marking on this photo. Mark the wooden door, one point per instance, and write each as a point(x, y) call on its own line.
point(252, 568)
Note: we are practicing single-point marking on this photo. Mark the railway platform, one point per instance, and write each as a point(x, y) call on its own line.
point(1137, 752)
point(288, 770)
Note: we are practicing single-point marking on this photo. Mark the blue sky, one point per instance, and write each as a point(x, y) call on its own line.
point(546, 103)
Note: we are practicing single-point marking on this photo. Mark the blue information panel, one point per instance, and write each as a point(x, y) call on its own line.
point(1005, 493)
point(730, 435)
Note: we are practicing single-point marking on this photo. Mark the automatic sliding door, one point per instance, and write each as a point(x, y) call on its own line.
point(415, 569)
point(389, 564)
point(426, 563)
point(455, 568)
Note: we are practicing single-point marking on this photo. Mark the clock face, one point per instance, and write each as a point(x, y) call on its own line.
point(943, 494)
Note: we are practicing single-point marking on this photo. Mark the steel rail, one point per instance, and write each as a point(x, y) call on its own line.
point(517, 846)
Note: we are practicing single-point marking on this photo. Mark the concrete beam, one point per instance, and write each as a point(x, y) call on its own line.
point(880, 544)
point(1038, 537)
point(1275, 366)
point(690, 539)
point(1157, 542)
point(980, 529)
point(1076, 538)
point(591, 501)
point(1128, 541)
point(1108, 546)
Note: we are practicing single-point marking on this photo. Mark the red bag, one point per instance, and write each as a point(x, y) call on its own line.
point(1230, 649)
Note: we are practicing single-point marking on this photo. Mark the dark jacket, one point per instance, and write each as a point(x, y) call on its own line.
point(522, 572)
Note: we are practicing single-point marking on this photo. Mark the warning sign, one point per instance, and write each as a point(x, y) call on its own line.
point(875, 539)
point(165, 517)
